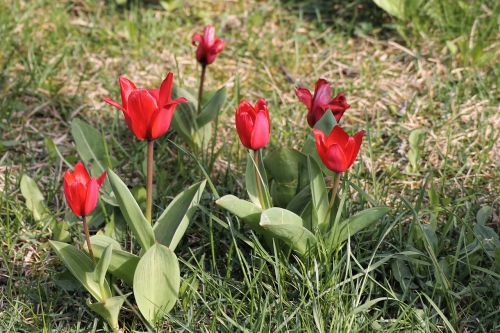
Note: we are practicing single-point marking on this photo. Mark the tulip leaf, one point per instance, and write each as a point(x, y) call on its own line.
point(300, 201)
point(131, 211)
point(319, 195)
point(102, 266)
point(245, 210)
point(356, 223)
point(89, 143)
point(287, 226)
point(211, 109)
point(175, 219)
point(82, 268)
point(122, 264)
point(109, 309)
point(256, 182)
point(156, 282)
point(184, 114)
point(34, 198)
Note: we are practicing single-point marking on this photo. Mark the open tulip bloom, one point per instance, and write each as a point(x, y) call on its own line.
point(338, 150)
point(321, 101)
point(148, 112)
point(82, 193)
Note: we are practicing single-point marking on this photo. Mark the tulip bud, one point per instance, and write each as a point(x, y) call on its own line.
point(81, 190)
point(253, 124)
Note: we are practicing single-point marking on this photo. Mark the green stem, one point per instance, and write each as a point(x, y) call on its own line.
point(149, 198)
point(200, 90)
point(87, 237)
point(336, 182)
point(262, 195)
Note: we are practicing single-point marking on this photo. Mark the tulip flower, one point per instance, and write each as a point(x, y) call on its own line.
point(207, 48)
point(338, 150)
point(208, 45)
point(148, 112)
point(82, 193)
point(253, 124)
point(321, 101)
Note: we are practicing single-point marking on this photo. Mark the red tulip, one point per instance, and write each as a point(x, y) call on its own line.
point(208, 45)
point(253, 124)
point(321, 101)
point(148, 112)
point(338, 150)
point(81, 190)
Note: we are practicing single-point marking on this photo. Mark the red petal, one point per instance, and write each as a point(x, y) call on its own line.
point(101, 178)
point(304, 95)
point(196, 39)
point(337, 136)
point(335, 159)
point(352, 148)
point(91, 196)
point(218, 46)
point(209, 36)
point(322, 94)
point(81, 174)
point(113, 103)
point(126, 87)
point(142, 106)
point(260, 132)
point(161, 121)
point(166, 90)
point(245, 106)
point(244, 127)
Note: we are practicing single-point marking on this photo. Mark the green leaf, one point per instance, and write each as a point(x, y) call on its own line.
point(109, 309)
point(185, 113)
point(393, 7)
point(358, 222)
point(488, 238)
point(300, 201)
point(319, 195)
point(211, 109)
point(34, 198)
point(287, 226)
point(175, 219)
point(156, 282)
point(82, 268)
point(136, 221)
point(484, 214)
point(102, 266)
point(122, 263)
point(245, 210)
point(256, 182)
point(89, 143)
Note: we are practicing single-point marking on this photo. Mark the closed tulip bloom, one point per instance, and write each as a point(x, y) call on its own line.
point(321, 101)
point(338, 150)
point(81, 190)
point(208, 45)
point(253, 124)
point(148, 112)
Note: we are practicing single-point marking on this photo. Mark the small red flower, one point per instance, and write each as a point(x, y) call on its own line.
point(208, 45)
point(321, 101)
point(253, 124)
point(338, 150)
point(148, 112)
point(81, 190)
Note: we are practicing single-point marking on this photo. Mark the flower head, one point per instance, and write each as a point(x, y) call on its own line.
point(253, 124)
point(208, 45)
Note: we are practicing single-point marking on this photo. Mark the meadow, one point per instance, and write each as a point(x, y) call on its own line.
point(422, 84)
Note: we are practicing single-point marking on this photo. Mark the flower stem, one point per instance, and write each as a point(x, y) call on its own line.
point(87, 237)
point(149, 198)
point(336, 182)
point(200, 90)
point(258, 183)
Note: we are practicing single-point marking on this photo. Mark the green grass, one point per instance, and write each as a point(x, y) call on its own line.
point(58, 59)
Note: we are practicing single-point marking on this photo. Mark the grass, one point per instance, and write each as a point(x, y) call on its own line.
point(424, 268)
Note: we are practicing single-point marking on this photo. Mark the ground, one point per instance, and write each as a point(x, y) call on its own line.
point(59, 59)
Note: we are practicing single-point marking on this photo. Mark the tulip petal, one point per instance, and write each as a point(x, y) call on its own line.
point(261, 106)
point(126, 87)
point(142, 106)
point(91, 197)
point(81, 174)
point(304, 95)
point(322, 94)
point(352, 147)
point(218, 46)
point(161, 121)
point(197, 39)
point(113, 103)
point(244, 126)
point(208, 36)
point(260, 132)
point(101, 178)
point(337, 136)
point(246, 107)
point(166, 90)
point(335, 159)
point(338, 105)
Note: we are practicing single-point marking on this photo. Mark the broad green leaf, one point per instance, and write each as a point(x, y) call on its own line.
point(358, 222)
point(211, 109)
point(256, 182)
point(300, 201)
point(175, 219)
point(156, 282)
point(122, 264)
point(484, 214)
point(488, 238)
point(245, 210)
point(136, 221)
point(183, 120)
point(82, 268)
point(34, 198)
point(393, 7)
point(319, 195)
point(109, 309)
point(102, 266)
point(287, 172)
point(287, 226)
